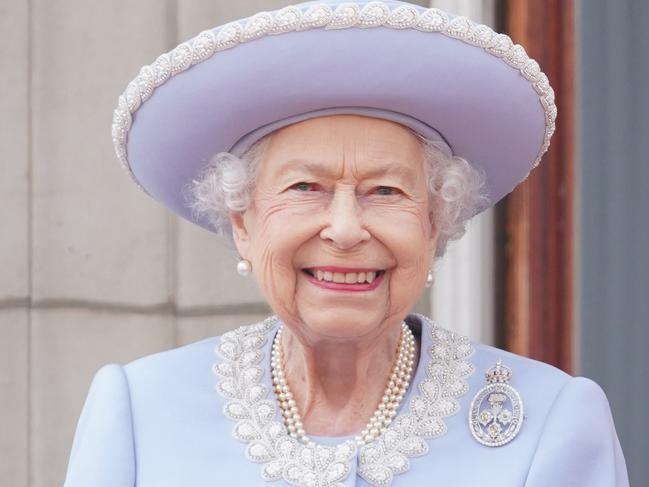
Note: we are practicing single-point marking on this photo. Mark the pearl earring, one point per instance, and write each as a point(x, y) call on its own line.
point(429, 278)
point(244, 267)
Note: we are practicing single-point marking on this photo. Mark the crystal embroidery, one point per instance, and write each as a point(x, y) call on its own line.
point(481, 36)
point(181, 58)
point(203, 46)
point(345, 15)
point(161, 69)
point(287, 19)
point(517, 57)
point(459, 27)
point(374, 14)
point(500, 45)
point(316, 16)
point(258, 26)
point(229, 36)
point(269, 443)
point(132, 95)
point(145, 81)
point(403, 17)
point(433, 20)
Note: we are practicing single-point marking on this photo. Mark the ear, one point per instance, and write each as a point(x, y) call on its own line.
point(240, 233)
point(434, 236)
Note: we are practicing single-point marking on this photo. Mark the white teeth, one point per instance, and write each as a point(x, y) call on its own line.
point(345, 277)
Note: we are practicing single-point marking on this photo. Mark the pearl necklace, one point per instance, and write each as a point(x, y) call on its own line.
point(384, 413)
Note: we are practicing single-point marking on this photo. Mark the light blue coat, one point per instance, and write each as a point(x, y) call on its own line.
point(159, 422)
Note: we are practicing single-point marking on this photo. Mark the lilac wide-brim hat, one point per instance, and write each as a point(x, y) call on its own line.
point(444, 76)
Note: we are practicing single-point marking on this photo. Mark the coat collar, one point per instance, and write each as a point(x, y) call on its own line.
point(244, 381)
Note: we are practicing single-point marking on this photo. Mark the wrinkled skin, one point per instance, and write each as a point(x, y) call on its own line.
point(346, 191)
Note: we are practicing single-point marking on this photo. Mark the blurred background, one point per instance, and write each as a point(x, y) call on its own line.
point(92, 271)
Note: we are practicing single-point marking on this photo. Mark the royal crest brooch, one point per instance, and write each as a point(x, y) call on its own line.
point(496, 413)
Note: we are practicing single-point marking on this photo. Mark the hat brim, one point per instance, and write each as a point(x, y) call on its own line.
point(484, 105)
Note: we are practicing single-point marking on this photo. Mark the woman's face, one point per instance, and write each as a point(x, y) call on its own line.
point(339, 198)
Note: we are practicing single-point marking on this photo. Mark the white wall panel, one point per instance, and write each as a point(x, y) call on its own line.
point(96, 237)
point(14, 150)
point(207, 273)
point(463, 293)
point(14, 243)
point(192, 329)
point(14, 397)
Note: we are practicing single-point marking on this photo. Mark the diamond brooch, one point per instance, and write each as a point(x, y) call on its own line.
point(496, 413)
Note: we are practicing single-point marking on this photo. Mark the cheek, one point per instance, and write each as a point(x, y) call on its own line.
point(406, 232)
point(283, 227)
point(280, 230)
point(407, 236)
point(277, 221)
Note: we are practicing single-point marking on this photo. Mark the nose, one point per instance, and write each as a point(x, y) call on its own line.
point(344, 227)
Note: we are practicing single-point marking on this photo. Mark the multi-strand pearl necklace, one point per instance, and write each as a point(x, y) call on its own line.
point(386, 410)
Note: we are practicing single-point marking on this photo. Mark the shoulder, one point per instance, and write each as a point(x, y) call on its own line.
point(104, 430)
point(524, 369)
point(197, 354)
point(545, 389)
point(177, 360)
point(568, 428)
point(166, 376)
point(540, 385)
point(532, 375)
point(188, 369)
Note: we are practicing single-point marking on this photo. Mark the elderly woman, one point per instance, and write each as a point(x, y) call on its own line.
point(339, 147)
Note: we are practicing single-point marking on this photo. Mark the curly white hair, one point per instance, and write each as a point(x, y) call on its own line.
point(456, 189)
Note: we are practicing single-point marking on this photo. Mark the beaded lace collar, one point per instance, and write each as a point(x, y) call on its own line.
point(240, 370)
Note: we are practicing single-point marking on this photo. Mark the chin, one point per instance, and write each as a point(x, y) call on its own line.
point(340, 323)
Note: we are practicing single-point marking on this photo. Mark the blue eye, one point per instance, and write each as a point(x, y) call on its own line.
point(386, 191)
point(304, 186)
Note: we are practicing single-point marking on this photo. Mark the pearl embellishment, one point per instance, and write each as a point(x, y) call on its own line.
point(244, 267)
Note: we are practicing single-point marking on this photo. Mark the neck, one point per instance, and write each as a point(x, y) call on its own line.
point(338, 385)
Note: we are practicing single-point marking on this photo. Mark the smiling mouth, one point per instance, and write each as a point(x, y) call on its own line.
point(363, 277)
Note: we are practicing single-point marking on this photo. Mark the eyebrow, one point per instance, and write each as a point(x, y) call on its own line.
point(322, 168)
point(319, 168)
